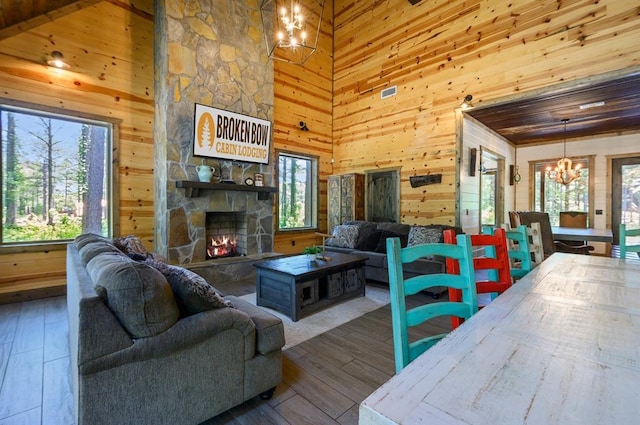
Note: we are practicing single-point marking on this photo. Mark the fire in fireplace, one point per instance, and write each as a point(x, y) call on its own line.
point(222, 246)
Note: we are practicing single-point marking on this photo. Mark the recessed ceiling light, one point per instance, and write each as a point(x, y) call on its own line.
point(591, 105)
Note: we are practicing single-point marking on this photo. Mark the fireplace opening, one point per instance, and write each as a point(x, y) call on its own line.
point(226, 234)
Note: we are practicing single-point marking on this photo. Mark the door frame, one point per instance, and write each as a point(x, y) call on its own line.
point(614, 205)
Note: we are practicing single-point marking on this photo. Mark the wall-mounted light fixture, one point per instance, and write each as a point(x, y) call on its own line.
point(56, 59)
point(303, 126)
point(466, 103)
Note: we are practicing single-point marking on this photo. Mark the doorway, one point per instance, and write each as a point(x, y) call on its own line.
point(491, 188)
point(625, 199)
point(383, 195)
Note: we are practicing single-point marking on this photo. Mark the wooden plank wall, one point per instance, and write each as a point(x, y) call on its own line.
point(110, 49)
point(304, 93)
point(438, 51)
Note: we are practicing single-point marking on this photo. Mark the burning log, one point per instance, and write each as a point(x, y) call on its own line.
point(222, 246)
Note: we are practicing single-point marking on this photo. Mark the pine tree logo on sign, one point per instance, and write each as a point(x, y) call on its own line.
point(205, 131)
point(227, 135)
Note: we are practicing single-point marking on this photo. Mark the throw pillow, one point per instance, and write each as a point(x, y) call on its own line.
point(419, 235)
point(381, 247)
point(131, 245)
point(193, 293)
point(368, 238)
point(344, 236)
point(137, 294)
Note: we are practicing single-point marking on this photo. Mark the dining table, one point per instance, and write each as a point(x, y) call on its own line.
point(561, 346)
point(582, 234)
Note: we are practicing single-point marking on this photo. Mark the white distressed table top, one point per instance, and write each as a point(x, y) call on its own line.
point(562, 346)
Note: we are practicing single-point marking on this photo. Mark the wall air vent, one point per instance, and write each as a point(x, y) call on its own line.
point(391, 91)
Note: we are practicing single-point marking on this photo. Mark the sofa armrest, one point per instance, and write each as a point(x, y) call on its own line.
point(269, 328)
point(187, 332)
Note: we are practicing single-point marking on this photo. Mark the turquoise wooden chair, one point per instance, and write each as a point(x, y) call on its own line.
point(519, 249)
point(399, 288)
point(624, 247)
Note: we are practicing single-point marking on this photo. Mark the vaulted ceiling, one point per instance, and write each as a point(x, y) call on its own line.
point(592, 108)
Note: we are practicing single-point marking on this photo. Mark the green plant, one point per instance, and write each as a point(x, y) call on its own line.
point(312, 250)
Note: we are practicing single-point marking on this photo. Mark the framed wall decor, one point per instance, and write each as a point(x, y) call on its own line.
point(226, 135)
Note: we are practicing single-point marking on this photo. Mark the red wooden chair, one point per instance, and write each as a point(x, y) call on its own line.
point(495, 262)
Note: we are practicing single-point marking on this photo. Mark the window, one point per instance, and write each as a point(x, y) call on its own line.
point(297, 192)
point(553, 197)
point(55, 176)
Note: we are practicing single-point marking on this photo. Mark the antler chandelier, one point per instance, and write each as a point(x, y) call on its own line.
point(564, 173)
point(291, 29)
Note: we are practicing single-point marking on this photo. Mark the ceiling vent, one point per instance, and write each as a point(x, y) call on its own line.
point(391, 91)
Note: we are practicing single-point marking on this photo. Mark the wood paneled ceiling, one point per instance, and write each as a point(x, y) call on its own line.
point(602, 108)
point(17, 16)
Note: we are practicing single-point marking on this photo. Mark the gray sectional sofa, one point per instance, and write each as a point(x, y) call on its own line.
point(370, 239)
point(145, 351)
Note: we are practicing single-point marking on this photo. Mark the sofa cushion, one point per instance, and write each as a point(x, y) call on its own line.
point(368, 237)
point(381, 247)
point(86, 238)
point(400, 228)
point(423, 234)
point(192, 292)
point(138, 295)
point(344, 236)
point(95, 247)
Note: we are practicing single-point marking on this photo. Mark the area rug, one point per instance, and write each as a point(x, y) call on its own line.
point(328, 318)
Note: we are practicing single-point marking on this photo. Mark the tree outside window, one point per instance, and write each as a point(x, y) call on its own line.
point(55, 176)
point(297, 192)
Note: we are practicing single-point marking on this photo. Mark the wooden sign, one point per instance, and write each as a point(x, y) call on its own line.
point(417, 181)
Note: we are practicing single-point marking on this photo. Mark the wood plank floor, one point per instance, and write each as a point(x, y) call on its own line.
point(325, 378)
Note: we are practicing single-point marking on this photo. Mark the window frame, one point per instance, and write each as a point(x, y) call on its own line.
point(313, 196)
point(111, 172)
point(583, 159)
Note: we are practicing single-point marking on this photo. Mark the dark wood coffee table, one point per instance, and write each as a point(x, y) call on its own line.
point(296, 288)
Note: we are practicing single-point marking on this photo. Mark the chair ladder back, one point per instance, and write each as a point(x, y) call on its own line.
point(519, 250)
point(402, 318)
point(495, 261)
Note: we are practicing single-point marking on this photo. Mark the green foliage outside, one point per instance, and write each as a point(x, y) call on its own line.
point(33, 231)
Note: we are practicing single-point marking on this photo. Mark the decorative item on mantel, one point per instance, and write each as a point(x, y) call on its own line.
point(205, 172)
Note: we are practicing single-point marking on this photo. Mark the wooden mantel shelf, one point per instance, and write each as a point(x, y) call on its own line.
point(192, 189)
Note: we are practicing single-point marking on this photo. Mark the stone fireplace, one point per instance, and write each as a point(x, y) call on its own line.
point(211, 53)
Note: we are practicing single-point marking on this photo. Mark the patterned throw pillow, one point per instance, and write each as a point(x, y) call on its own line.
point(131, 245)
point(344, 236)
point(193, 294)
point(419, 235)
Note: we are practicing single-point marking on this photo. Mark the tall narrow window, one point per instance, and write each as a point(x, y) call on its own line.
point(55, 176)
point(553, 197)
point(297, 192)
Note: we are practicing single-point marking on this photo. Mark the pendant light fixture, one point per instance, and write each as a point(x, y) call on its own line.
point(291, 28)
point(564, 173)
